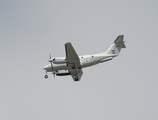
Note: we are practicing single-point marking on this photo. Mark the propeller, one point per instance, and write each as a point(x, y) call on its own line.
point(53, 72)
point(50, 59)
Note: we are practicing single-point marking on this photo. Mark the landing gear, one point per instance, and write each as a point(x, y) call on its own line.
point(76, 78)
point(46, 76)
point(73, 66)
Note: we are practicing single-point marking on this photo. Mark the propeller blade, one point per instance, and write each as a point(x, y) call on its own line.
point(54, 75)
point(50, 56)
point(51, 65)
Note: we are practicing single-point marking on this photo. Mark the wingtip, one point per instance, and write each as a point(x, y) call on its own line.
point(121, 35)
point(67, 43)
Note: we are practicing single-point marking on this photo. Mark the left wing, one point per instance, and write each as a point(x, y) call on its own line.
point(76, 74)
point(74, 62)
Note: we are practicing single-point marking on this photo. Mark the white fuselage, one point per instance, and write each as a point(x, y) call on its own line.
point(85, 61)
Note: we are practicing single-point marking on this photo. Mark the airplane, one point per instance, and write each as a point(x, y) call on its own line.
point(73, 64)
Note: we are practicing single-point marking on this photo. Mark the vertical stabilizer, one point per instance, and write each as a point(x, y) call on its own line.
point(115, 47)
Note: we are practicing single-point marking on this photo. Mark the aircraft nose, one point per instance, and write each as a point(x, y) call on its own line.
point(45, 67)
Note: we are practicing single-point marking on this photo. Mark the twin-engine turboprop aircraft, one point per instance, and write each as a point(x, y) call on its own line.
point(72, 64)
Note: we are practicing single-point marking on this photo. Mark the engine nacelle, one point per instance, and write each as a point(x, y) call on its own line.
point(62, 73)
point(59, 60)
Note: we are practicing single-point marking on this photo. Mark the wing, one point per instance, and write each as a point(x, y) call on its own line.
point(76, 74)
point(74, 62)
point(71, 54)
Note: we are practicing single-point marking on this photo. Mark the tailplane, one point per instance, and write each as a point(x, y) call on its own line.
point(115, 47)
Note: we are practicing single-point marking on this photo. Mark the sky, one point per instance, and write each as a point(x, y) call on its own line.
point(121, 89)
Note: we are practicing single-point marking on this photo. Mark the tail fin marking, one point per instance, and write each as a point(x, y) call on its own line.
point(115, 48)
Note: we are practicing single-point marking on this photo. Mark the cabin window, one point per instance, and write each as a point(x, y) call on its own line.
point(81, 57)
point(92, 56)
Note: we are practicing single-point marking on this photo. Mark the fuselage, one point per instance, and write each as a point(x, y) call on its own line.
point(85, 61)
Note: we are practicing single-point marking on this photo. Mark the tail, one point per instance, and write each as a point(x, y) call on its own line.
point(115, 47)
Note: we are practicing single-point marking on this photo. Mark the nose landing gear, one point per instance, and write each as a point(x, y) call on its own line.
point(46, 76)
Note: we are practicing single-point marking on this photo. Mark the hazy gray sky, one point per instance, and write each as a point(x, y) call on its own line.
point(122, 89)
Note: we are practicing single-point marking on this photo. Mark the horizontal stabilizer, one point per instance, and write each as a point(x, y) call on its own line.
point(119, 40)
